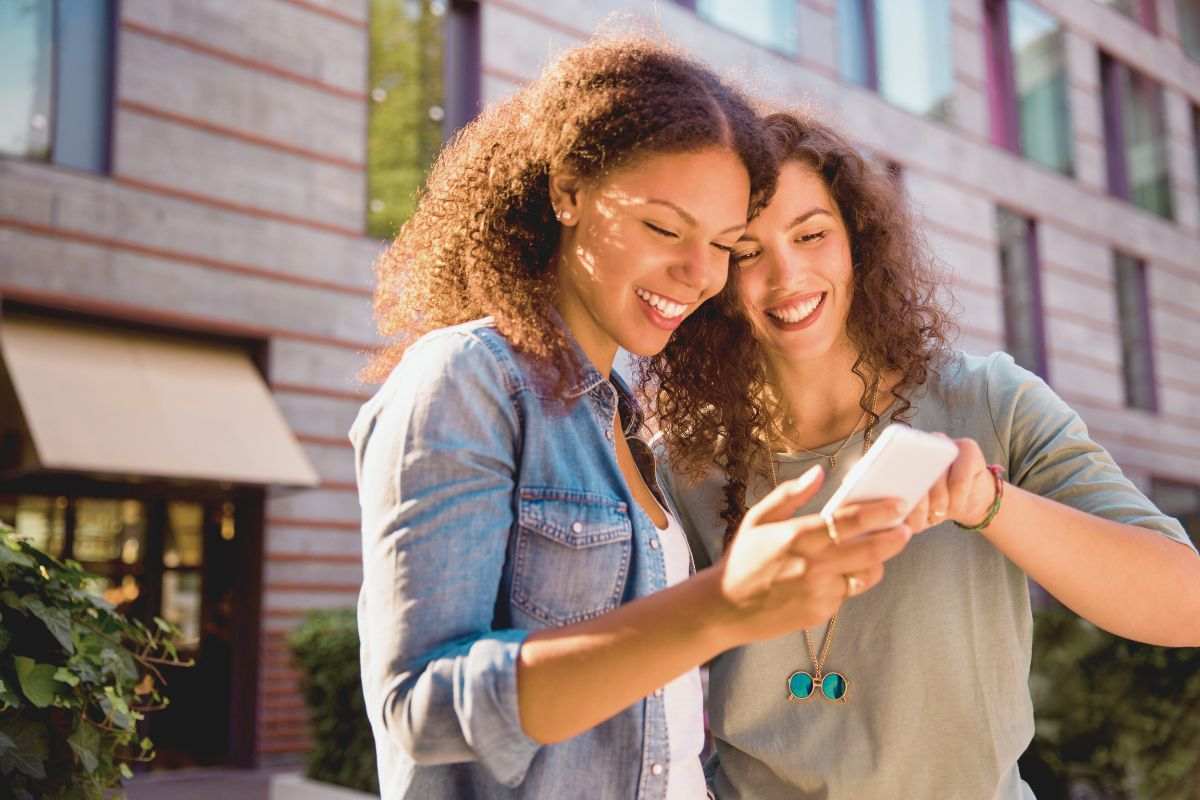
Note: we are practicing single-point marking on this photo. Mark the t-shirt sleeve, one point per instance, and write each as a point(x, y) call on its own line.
point(1050, 453)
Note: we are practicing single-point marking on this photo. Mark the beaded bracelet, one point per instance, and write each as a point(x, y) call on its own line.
point(998, 476)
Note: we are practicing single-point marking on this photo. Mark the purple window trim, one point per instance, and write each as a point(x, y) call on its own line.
point(1148, 15)
point(1114, 134)
point(1001, 85)
point(870, 42)
point(461, 66)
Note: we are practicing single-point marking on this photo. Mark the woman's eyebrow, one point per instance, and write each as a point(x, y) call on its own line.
point(688, 218)
point(812, 212)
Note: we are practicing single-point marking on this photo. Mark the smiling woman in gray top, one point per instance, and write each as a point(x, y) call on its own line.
point(832, 335)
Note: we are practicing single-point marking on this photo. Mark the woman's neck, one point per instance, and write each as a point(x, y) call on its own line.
point(820, 399)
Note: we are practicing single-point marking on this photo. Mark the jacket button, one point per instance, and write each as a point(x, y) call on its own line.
point(577, 527)
point(608, 434)
point(654, 543)
point(657, 769)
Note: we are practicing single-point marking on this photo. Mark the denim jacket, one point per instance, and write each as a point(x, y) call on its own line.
point(490, 509)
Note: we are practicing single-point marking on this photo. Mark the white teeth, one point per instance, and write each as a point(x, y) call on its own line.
point(668, 308)
point(796, 313)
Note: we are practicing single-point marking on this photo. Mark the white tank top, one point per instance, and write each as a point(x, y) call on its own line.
point(683, 698)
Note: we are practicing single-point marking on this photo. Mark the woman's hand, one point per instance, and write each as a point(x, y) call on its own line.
point(963, 493)
point(783, 573)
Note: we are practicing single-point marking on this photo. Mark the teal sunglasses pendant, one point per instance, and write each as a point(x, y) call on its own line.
point(802, 685)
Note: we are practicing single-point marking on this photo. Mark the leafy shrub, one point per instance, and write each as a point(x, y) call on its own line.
point(1120, 717)
point(325, 646)
point(75, 678)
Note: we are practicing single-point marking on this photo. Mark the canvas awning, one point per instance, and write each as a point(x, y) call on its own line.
point(103, 400)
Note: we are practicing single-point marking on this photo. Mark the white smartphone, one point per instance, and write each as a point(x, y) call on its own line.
point(904, 463)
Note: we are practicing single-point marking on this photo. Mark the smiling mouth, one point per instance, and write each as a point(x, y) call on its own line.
point(797, 311)
point(665, 306)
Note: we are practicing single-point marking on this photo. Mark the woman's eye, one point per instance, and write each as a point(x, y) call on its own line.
point(812, 237)
point(724, 248)
point(745, 255)
point(661, 231)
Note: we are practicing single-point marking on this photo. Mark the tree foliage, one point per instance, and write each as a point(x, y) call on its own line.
point(1118, 716)
point(325, 646)
point(404, 127)
point(75, 679)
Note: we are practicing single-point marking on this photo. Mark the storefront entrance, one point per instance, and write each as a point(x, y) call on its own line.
point(188, 554)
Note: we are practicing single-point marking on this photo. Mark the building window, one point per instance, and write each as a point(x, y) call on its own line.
point(1140, 11)
point(1027, 83)
point(1187, 15)
point(407, 107)
point(1133, 314)
point(56, 95)
point(1135, 137)
point(770, 23)
point(900, 51)
point(1178, 500)
point(1024, 333)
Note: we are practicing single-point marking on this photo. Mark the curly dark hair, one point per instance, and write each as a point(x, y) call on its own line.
point(709, 383)
point(483, 235)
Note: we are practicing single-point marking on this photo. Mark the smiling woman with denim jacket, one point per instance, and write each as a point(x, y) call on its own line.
point(528, 625)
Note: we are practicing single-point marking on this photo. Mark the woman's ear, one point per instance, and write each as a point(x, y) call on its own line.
point(564, 197)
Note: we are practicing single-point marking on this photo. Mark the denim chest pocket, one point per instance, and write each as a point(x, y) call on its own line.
point(571, 556)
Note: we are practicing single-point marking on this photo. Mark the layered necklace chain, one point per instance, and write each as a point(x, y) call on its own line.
point(801, 684)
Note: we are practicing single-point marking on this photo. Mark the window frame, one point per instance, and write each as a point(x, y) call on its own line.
point(1137, 395)
point(1112, 106)
point(1037, 334)
point(110, 14)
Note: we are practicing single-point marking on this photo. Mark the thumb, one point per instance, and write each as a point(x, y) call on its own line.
point(786, 498)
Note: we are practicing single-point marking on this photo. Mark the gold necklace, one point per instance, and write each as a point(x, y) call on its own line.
point(833, 457)
point(802, 685)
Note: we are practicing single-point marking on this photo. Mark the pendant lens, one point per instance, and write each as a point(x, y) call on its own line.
point(801, 685)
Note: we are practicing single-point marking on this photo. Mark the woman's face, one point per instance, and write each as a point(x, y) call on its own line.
point(645, 245)
point(793, 269)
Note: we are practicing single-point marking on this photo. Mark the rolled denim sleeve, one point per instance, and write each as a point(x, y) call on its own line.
point(436, 461)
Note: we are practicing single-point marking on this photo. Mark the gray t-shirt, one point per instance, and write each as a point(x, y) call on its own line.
point(937, 656)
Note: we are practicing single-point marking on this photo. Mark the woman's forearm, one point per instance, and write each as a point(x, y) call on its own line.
point(1127, 580)
point(572, 678)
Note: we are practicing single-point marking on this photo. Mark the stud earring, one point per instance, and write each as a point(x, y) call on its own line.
point(564, 216)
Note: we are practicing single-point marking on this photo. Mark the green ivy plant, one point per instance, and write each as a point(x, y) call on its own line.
point(75, 679)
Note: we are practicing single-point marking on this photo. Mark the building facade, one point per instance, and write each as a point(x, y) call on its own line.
point(219, 175)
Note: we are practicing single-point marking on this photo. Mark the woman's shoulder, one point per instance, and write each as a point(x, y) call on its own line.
point(475, 349)
point(960, 374)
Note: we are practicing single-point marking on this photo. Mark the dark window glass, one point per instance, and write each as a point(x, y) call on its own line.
point(771, 23)
point(55, 95)
point(1023, 326)
point(407, 107)
point(1037, 98)
point(1187, 14)
point(1137, 353)
point(1135, 137)
point(901, 50)
point(1179, 500)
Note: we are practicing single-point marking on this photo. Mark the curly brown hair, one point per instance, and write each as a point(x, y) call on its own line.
point(483, 235)
point(709, 383)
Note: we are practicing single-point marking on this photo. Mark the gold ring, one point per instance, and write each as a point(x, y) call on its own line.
point(854, 585)
point(830, 529)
